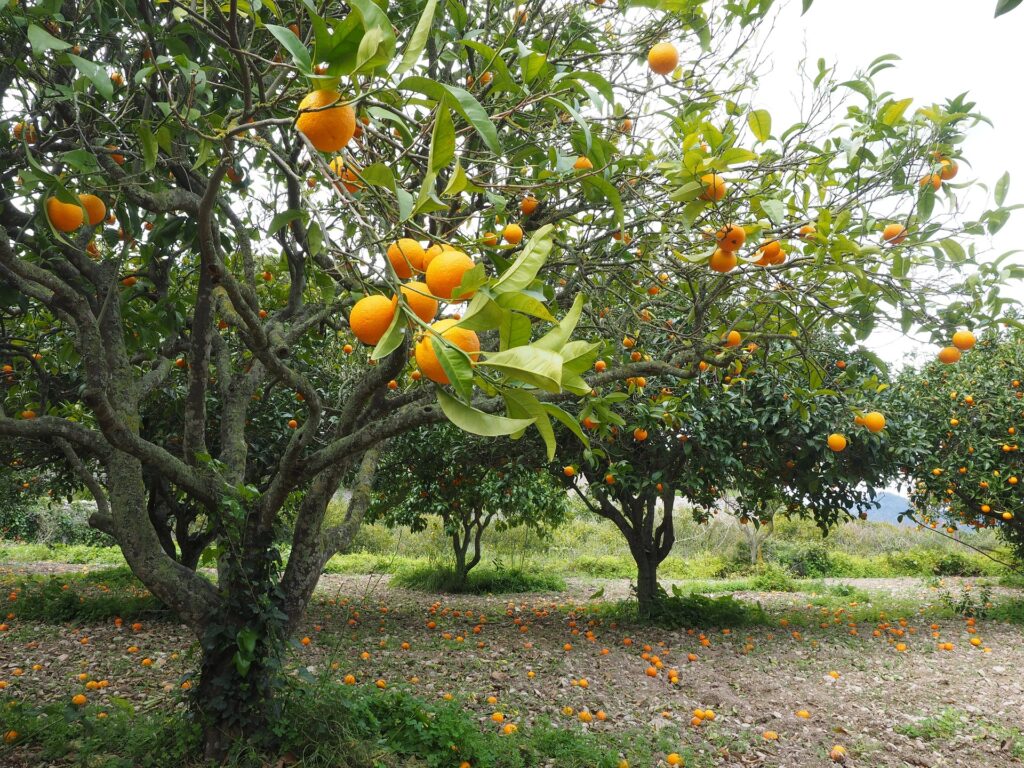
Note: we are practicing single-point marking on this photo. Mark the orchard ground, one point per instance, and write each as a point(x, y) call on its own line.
point(830, 650)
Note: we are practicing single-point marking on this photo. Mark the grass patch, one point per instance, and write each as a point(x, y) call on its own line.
point(81, 596)
point(945, 725)
point(366, 563)
point(486, 580)
point(81, 554)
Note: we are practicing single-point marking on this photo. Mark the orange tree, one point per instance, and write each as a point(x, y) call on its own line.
point(196, 201)
point(466, 483)
point(966, 418)
point(759, 438)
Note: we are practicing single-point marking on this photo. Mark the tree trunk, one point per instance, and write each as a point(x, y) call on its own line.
point(646, 584)
point(461, 546)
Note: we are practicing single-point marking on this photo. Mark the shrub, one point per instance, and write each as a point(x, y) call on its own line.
point(603, 566)
point(83, 597)
point(680, 610)
point(955, 564)
point(772, 578)
point(483, 580)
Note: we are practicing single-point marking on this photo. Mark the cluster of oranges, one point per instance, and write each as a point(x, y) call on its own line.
point(872, 421)
point(963, 341)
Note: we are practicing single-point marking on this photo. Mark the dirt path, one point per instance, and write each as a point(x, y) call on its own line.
point(923, 706)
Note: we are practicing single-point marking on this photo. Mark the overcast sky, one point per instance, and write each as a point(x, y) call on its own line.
point(947, 47)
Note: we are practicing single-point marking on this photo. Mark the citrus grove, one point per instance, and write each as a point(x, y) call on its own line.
point(242, 247)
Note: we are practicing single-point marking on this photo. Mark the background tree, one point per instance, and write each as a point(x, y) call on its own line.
point(966, 419)
point(756, 443)
point(469, 484)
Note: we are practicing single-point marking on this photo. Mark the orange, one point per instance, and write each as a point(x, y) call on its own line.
point(348, 176)
point(732, 339)
point(65, 217)
point(328, 128)
point(78, 699)
point(963, 340)
point(528, 205)
point(94, 207)
point(433, 251)
point(722, 261)
point(115, 154)
point(569, 471)
point(770, 254)
point(448, 329)
point(770, 736)
point(714, 187)
point(513, 233)
point(639, 434)
point(583, 163)
point(838, 754)
point(931, 178)
point(417, 296)
point(674, 758)
point(405, 256)
point(894, 234)
point(445, 273)
point(490, 239)
point(731, 237)
point(837, 442)
point(874, 421)
point(949, 355)
point(663, 58)
point(948, 169)
point(370, 318)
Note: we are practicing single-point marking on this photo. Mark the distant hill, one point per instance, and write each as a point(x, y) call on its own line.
point(892, 505)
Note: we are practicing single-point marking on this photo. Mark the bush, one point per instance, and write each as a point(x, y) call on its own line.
point(373, 539)
point(772, 578)
point(679, 610)
point(484, 580)
point(955, 564)
point(603, 566)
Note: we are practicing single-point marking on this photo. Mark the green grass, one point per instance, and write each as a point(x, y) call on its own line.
point(81, 554)
point(945, 725)
point(481, 580)
point(81, 596)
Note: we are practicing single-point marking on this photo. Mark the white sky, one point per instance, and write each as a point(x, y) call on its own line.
point(947, 47)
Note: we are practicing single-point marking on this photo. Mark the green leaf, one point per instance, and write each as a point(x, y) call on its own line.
point(514, 330)
point(81, 160)
point(464, 103)
point(540, 368)
point(807, 6)
point(522, 404)
point(477, 422)
point(457, 183)
point(294, 46)
point(97, 74)
point(392, 338)
point(567, 421)
point(442, 140)
point(379, 175)
point(736, 156)
point(246, 640)
point(482, 314)
point(1002, 187)
point(893, 112)
point(1005, 6)
point(557, 337)
point(525, 268)
point(775, 210)
point(609, 192)
point(760, 122)
point(456, 364)
point(578, 356)
point(42, 41)
point(418, 39)
point(242, 664)
point(149, 147)
point(281, 219)
point(528, 305)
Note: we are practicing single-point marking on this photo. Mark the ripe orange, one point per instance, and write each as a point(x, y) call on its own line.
point(807, 232)
point(674, 759)
point(770, 736)
point(600, 366)
point(837, 442)
point(448, 329)
point(931, 178)
point(513, 233)
point(583, 163)
point(417, 296)
point(79, 699)
point(94, 207)
point(714, 187)
point(328, 128)
point(446, 271)
point(528, 205)
point(874, 421)
point(433, 252)
point(963, 340)
point(490, 238)
point(370, 318)
point(663, 58)
point(639, 434)
point(948, 169)
point(838, 754)
point(894, 234)
point(731, 237)
point(949, 355)
point(722, 261)
point(732, 339)
point(771, 253)
point(405, 256)
point(349, 178)
point(569, 471)
point(65, 217)
point(115, 154)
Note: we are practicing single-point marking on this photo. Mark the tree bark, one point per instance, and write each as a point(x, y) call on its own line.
point(646, 584)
